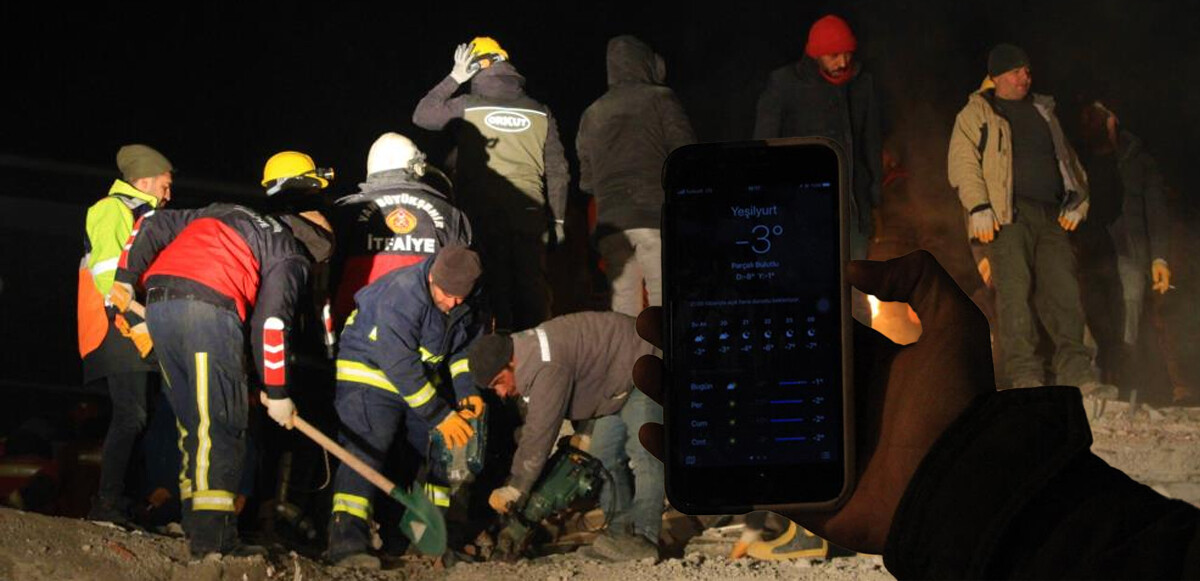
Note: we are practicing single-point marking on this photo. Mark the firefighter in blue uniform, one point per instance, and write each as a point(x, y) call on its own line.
point(411, 328)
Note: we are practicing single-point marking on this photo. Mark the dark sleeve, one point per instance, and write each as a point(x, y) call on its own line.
point(1012, 490)
point(547, 408)
point(677, 129)
point(558, 174)
point(1158, 223)
point(460, 366)
point(437, 108)
point(153, 232)
point(397, 351)
point(874, 143)
point(583, 150)
point(462, 234)
point(274, 313)
point(769, 116)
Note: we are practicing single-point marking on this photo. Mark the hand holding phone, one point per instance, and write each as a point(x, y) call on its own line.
point(907, 396)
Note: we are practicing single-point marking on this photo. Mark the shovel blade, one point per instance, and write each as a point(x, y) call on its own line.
point(422, 522)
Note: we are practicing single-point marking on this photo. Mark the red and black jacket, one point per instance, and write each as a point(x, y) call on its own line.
point(233, 257)
point(391, 223)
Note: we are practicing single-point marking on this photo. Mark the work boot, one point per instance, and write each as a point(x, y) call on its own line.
point(624, 547)
point(214, 534)
point(349, 541)
point(793, 543)
point(109, 510)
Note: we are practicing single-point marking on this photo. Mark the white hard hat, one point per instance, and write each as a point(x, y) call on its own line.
point(395, 151)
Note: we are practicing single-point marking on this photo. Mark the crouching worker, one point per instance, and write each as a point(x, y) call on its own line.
point(411, 329)
point(576, 367)
point(216, 278)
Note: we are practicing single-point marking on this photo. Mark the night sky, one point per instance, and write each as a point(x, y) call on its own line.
point(220, 87)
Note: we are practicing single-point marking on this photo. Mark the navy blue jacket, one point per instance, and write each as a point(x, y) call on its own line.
point(397, 340)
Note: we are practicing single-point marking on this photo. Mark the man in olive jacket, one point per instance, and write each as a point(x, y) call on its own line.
point(1024, 188)
point(624, 138)
point(576, 367)
point(511, 175)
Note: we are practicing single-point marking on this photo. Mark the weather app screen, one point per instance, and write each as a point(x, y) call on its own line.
point(756, 315)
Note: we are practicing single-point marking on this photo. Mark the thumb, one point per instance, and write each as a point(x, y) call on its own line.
point(919, 280)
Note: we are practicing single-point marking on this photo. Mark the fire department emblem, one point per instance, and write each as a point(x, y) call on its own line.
point(401, 221)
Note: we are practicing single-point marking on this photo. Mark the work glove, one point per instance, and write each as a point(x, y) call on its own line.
point(984, 225)
point(503, 498)
point(1161, 275)
point(463, 71)
point(471, 407)
point(455, 431)
point(139, 334)
point(121, 295)
point(581, 442)
point(1070, 219)
point(985, 270)
point(280, 410)
point(557, 236)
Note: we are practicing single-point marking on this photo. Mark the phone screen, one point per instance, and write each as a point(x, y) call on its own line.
point(755, 315)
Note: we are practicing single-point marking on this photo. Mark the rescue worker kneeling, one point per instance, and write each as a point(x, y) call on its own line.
point(411, 327)
point(576, 367)
point(215, 278)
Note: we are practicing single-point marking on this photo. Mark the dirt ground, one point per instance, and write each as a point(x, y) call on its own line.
point(1159, 447)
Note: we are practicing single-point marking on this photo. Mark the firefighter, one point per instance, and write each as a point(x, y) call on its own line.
point(510, 171)
point(216, 277)
point(403, 364)
point(576, 367)
point(394, 220)
point(145, 184)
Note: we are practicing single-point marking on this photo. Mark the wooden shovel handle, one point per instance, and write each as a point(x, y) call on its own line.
point(346, 457)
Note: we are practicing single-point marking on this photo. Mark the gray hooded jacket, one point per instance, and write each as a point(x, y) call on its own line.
point(626, 135)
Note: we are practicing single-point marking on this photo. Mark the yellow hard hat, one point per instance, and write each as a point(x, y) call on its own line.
point(487, 49)
point(287, 166)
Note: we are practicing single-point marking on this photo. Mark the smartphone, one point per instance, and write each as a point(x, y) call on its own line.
point(758, 408)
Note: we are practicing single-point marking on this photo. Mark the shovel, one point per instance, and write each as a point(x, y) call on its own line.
point(422, 523)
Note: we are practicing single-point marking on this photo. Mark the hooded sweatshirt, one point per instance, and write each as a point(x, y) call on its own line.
point(626, 135)
point(507, 147)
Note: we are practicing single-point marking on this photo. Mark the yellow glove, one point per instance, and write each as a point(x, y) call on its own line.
point(502, 498)
point(455, 430)
point(985, 271)
point(139, 334)
point(120, 295)
point(471, 407)
point(1161, 276)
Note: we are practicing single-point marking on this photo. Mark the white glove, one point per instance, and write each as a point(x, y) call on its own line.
point(463, 71)
point(503, 498)
point(1070, 219)
point(984, 225)
point(280, 410)
point(558, 236)
point(560, 232)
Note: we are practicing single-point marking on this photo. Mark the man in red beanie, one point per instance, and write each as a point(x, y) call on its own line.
point(827, 93)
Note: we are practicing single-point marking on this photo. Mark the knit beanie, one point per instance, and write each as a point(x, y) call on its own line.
point(141, 161)
point(488, 356)
point(455, 270)
point(1004, 58)
point(830, 35)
